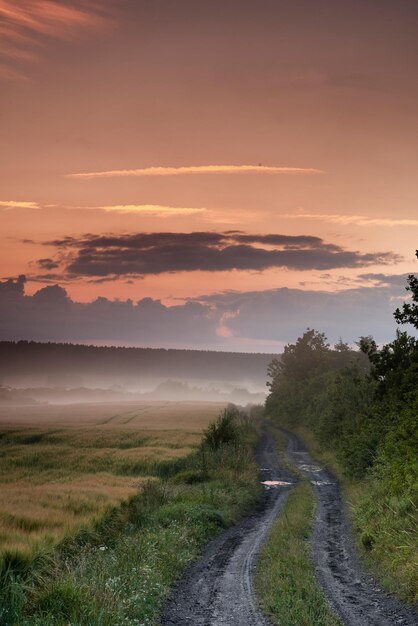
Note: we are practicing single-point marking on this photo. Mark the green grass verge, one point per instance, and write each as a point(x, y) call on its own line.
point(119, 573)
point(285, 582)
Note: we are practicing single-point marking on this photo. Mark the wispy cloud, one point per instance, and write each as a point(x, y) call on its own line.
point(198, 169)
point(24, 25)
point(358, 220)
point(48, 17)
point(17, 204)
point(148, 209)
point(156, 210)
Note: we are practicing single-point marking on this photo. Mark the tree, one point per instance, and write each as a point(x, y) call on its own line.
point(306, 355)
point(409, 312)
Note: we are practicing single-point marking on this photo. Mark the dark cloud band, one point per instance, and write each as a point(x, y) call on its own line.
point(140, 254)
point(260, 317)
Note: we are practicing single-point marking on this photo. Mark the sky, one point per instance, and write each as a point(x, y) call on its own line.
point(215, 175)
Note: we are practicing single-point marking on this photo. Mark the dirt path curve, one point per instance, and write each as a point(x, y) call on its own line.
point(217, 590)
point(354, 595)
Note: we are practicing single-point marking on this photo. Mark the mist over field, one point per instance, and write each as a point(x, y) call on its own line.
point(63, 373)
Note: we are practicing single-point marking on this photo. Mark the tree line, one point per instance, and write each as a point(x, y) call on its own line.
point(363, 404)
point(29, 357)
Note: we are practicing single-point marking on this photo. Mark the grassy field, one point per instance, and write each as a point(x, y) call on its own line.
point(118, 572)
point(63, 467)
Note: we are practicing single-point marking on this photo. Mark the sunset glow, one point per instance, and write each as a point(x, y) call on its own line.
point(239, 168)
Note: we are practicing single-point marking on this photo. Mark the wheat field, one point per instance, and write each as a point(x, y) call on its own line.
point(62, 468)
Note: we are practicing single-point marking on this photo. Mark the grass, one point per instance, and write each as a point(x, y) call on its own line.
point(186, 416)
point(119, 572)
point(285, 581)
point(58, 479)
point(385, 527)
point(387, 530)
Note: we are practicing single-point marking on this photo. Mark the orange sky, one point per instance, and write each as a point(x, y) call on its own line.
point(272, 117)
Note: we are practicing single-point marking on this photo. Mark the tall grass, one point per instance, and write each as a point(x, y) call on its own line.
point(119, 572)
point(55, 481)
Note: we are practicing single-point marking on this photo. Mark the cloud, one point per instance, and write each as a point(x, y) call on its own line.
point(385, 280)
point(256, 320)
point(357, 220)
point(140, 254)
point(158, 210)
point(198, 169)
point(25, 24)
point(48, 17)
point(51, 315)
point(47, 264)
point(147, 209)
point(13, 287)
point(17, 204)
point(283, 314)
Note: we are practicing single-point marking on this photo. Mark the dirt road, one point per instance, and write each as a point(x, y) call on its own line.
point(217, 590)
point(355, 597)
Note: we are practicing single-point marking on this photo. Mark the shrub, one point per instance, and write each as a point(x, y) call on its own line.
point(223, 431)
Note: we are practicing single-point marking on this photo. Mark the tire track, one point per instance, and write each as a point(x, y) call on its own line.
point(218, 589)
point(355, 597)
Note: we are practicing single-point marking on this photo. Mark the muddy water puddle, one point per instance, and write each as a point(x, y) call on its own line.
point(310, 468)
point(275, 483)
point(321, 482)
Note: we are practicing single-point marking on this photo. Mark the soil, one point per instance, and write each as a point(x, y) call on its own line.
point(353, 594)
point(217, 590)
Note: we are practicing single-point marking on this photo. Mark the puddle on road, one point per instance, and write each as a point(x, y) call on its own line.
point(275, 483)
point(310, 468)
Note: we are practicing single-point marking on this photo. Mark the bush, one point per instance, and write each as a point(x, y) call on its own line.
point(223, 431)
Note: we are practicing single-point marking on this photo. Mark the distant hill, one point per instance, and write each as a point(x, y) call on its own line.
point(71, 364)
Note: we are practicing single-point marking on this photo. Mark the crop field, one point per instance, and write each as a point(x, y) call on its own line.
point(63, 467)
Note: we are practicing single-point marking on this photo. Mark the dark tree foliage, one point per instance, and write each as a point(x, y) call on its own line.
point(409, 312)
point(362, 404)
point(224, 431)
point(316, 386)
point(55, 360)
point(394, 366)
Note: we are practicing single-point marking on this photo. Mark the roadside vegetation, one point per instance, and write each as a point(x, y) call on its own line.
point(361, 409)
point(118, 572)
point(285, 581)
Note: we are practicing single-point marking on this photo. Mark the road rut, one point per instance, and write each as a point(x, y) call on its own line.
point(355, 597)
point(218, 590)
